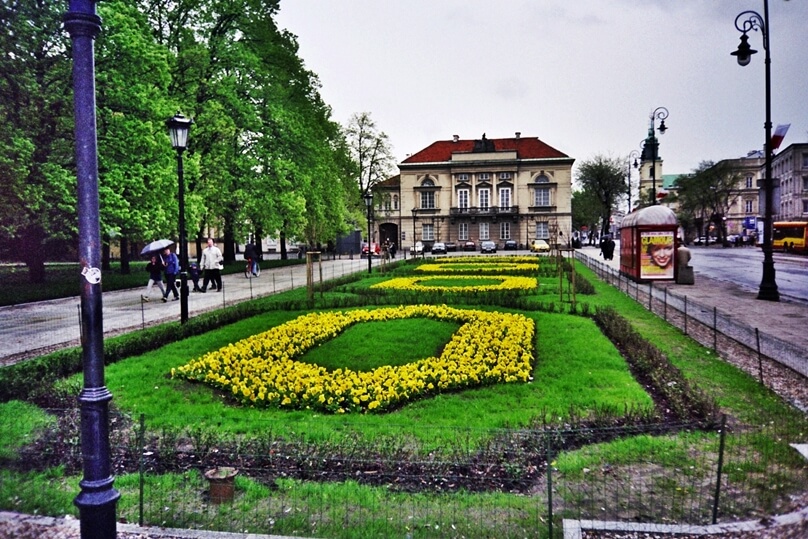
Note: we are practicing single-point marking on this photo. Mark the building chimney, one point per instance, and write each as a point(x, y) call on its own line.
point(518, 135)
point(455, 138)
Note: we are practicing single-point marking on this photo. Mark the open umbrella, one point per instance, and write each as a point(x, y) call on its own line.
point(157, 245)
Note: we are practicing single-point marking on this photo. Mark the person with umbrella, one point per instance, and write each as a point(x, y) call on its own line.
point(155, 269)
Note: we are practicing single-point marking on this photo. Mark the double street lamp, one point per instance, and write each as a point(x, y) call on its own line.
point(178, 128)
point(651, 149)
point(744, 23)
point(368, 197)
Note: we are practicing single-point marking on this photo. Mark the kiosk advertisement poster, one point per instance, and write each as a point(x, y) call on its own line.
point(656, 261)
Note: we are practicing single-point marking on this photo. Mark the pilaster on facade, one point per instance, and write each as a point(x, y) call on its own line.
point(485, 189)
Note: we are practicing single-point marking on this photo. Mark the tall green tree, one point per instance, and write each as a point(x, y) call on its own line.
point(37, 170)
point(706, 195)
point(603, 180)
point(370, 148)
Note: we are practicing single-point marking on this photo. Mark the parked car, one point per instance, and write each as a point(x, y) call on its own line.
point(375, 249)
point(450, 246)
point(488, 247)
point(469, 246)
point(539, 246)
point(418, 248)
point(438, 248)
point(510, 245)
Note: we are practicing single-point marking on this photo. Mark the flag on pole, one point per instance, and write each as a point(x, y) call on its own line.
point(779, 135)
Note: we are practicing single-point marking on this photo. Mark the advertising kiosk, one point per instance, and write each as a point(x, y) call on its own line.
point(648, 244)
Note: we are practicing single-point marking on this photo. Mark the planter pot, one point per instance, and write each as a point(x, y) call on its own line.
point(222, 483)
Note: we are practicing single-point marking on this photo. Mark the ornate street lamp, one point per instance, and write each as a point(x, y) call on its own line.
point(97, 499)
point(768, 285)
point(178, 128)
point(651, 149)
point(633, 154)
point(414, 217)
point(368, 197)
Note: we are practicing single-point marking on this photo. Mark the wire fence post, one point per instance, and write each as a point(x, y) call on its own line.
point(760, 357)
point(650, 296)
point(715, 329)
point(665, 305)
point(549, 485)
point(685, 315)
point(721, 443)
point(141, 448)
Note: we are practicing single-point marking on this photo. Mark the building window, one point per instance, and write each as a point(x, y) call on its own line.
point(805, 206)
point(541, 197)
point(484, 196)
point(463, 199)
point(428, 231)
point(427, 182)
point(542, 231)
point(395, 202)
point(748, 206)
point(749, 180)
point(805, 160)
point(462, 177)
point(805, 183)
point(463, 231)
point(484, 234)
point(505, 230)
point(542, 178)
point(505, 199)
point(484, 177)
point(428, 200)
point(387, 204)
point(504, 175)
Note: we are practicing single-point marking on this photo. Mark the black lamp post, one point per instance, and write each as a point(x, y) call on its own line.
point(651, 149)
point(633, 154)
point(178, 128)
point(368, 196)
point(414, 217)
point(768, 285)
point(97, 499)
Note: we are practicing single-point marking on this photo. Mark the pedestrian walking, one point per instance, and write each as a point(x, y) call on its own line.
point(212, 263)
point(155, 269)
point(172, 269)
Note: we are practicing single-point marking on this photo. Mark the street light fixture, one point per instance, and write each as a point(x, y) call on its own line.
point(97, 499)
point(651, 149)
point(633, 154)
point(768, 285)
point(414, 217)
point(368, 196)
point(178, 127)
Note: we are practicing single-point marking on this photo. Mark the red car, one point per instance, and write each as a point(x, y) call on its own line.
point(375, 248)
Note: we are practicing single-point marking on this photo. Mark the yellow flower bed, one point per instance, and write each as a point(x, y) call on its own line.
point(262, 370)
point(422, 283)
point(495, 267)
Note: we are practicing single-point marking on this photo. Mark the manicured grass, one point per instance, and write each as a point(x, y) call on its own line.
point(578, 373)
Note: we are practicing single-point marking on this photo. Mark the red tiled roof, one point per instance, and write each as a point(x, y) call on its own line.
point(526, 148)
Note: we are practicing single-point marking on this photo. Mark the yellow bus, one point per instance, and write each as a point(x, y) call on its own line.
point(790, 236)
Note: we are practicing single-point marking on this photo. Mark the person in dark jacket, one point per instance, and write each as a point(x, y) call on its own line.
point(251, 254)
point(155, 269)
point(172, 269)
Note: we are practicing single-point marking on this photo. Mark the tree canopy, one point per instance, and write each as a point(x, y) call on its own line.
point(265, 156)
point(602, 179)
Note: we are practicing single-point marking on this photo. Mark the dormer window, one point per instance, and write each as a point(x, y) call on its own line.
point(504, 175)
point(462, 177)
point(484, 177)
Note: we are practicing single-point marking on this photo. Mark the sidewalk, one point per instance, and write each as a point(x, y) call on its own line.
point(785, 319)
point(35, 328)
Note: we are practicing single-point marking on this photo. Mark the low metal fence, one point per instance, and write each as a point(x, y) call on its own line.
point(438, 482)
point(689, 315)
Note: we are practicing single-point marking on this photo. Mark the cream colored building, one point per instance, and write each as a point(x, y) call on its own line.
point(790, 170)
point(458, 190)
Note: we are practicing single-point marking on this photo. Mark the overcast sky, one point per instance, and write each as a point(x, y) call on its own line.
point(582, 75)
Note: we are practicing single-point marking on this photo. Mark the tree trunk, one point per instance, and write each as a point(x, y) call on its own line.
point(32, 250)
point(229, 241)
point(105, 255)
point(282, 240)
point(125, 269)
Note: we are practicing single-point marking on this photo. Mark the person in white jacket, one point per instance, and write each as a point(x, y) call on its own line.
point(212, 264)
